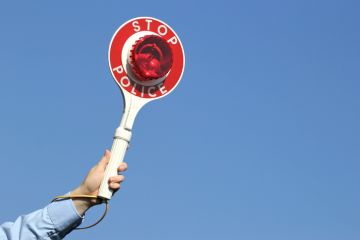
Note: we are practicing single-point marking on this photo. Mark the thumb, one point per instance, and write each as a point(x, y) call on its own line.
point(105, 159)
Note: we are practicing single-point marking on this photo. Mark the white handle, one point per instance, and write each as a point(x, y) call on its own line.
point(121, 141)
point(118, 150)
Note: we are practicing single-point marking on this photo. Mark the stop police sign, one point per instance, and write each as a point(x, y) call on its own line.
point(119, 50)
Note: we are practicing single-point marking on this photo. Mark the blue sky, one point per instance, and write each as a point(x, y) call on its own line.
point(259, 141)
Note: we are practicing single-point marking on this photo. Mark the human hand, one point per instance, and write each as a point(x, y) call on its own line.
point(91, 183)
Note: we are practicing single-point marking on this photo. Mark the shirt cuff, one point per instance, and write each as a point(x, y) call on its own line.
point(63, 215)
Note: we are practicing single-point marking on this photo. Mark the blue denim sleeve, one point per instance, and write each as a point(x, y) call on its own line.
point(54, 221)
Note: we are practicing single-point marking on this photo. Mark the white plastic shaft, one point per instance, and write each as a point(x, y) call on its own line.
point(121, 142)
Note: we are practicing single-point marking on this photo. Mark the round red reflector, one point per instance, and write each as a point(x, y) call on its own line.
point(151, 58)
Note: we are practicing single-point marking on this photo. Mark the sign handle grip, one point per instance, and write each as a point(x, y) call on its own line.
point(118, 150)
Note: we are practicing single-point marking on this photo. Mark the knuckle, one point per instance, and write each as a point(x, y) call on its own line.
point(123, 166)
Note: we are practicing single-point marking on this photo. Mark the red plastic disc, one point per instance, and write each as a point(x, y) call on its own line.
point(151, 58)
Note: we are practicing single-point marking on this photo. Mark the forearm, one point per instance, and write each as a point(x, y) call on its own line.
point(54, 221)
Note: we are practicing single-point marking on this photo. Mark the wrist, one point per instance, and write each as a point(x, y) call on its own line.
point(82, 204)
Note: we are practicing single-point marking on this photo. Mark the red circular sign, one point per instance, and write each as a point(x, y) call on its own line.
point(120, 49)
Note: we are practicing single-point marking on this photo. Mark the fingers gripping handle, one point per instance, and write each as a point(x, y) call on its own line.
point(121, 142)
point(117, 156)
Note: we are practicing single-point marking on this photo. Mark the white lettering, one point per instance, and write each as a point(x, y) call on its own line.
point(142, 91)
point(148, 23)
point(162, 88)
point(118, 69)
point(164, 31)
point(136, 26)
point(133, 89)
point(123, 83)
point(172, 40)
point(151, 94)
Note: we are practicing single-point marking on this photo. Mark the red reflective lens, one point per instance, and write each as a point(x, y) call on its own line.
point(151, 58)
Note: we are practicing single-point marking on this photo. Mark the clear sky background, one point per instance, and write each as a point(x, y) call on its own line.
point(261, 139)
